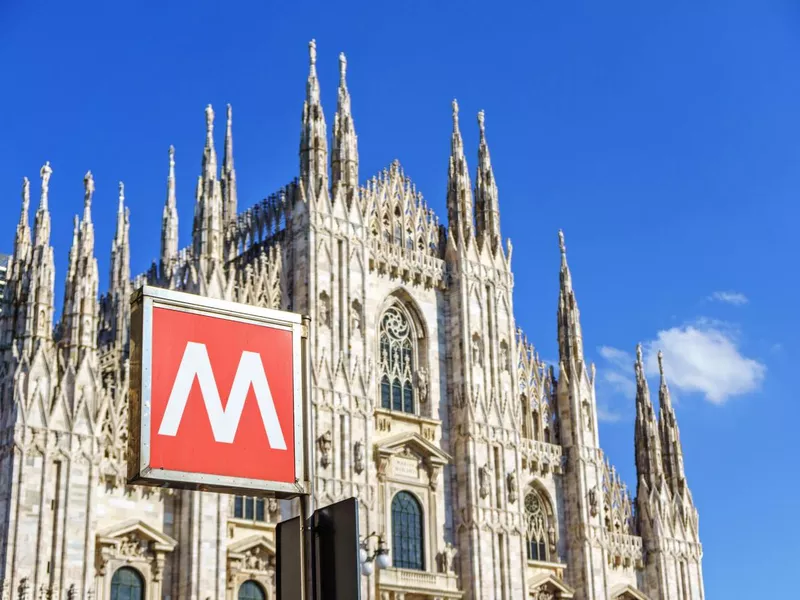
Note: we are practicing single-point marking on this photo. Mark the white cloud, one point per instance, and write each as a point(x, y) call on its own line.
point(615, 381)
point(735, 298)
point(705, 357)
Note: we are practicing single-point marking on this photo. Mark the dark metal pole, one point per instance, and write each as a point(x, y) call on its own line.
point(307, 501)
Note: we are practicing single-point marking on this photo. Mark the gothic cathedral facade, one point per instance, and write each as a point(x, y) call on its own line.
point(479, 468)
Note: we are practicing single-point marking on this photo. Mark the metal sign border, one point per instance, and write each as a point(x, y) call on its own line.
point(139, 405)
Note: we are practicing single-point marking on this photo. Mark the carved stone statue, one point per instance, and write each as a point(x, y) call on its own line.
point(355, 318)
point(422, 384)
point(324, 309)
point(446, 557)
point(503, 356)
point(358, 457)
point(325, 442)
point(511, 481)
point(476, 350)
point(484, 474)
point(593, 502)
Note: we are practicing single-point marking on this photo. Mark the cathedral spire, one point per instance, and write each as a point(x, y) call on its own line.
point(459, 192)
point(80, 298)
point(487, 208)
point(120, 253)
point(570, 337)
point(229, 197)
point(670, 436)
point(207, 234)
point(120, 286)
point(209, 153)
point(344, 155)
point(313, 137)
point(22, 241)
point(169, 221)
point(646, 436)
point(42, 225)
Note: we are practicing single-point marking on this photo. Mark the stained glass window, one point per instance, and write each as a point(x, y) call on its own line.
point(397, 361)
point(250, 590)
point(127, 584)
point(406, 532)
point(536, 518)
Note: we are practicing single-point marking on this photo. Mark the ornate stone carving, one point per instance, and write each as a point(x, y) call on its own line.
point(503, 358)
point(445, 560)
point(23, 589)
point(476, 349)
point(544, 595)
point(325, 442)
point(358, 457)
point(356, 317)
point(484, 476)
point(511, 483)
point(324, 309)
point(593, 502)
point(422, 384)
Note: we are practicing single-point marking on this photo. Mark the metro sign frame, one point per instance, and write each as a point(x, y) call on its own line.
point(195, 369)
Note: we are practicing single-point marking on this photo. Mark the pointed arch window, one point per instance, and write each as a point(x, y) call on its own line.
point(397, 360)
point(406, 532)
point(537, 527)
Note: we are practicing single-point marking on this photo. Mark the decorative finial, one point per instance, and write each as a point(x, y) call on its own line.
point(45, 173)
point(561, 245)
point(230, 116)
point(342, 67)
point(312, 52)
point(171, 160)
point(481, 123)
point(26, 194)
point(121, 195)
point(455, 112)
point(209, 119)
point(88, 185)
point(639, 353)
point(661, 363)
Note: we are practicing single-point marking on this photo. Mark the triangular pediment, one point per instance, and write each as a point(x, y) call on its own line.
point(415, 442)
point(141, 530)
point(552, 583)
point(253, 542)
point(627, 592)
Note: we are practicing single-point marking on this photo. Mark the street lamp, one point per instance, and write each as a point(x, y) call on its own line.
point(380, 557)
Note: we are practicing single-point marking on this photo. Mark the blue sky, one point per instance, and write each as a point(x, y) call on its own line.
point(664, 140)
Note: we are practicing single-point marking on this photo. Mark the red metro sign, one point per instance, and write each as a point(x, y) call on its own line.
point(217, 395)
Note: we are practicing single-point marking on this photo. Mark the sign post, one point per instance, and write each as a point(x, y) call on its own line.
point(219, 396)
point(219, 401)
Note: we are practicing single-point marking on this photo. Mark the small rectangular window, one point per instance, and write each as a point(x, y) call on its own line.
point(260, 510)
point(238, 511)
point(248, 508)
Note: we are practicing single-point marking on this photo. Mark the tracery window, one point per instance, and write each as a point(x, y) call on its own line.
point(536, 518)
point(397, 361)
point(250, 590)
point(252, 509)
point(406, 532)
point(127, 584)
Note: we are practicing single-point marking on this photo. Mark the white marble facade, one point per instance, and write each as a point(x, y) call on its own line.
point(480, 468)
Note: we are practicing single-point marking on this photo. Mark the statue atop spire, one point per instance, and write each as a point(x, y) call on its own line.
point(487, 205)
point(344, 154)
point(26, 198)
point(169, 223)
point(228, 179)
point(670, 435)
point(459, 191)
point(45, 174)
point(313, 135)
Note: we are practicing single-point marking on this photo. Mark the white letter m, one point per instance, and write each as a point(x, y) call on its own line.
point(224, 421)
